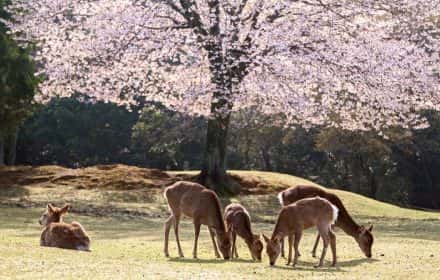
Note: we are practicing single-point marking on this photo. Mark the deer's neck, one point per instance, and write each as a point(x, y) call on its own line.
point(347, 224)
point(247, 235)
point(281, 227)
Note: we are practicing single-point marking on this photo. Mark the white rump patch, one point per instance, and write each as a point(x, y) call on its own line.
point(280, 198)
point(335, 213)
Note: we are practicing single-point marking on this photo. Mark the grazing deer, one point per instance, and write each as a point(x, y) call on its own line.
point(62, 235)
point(238, 221)
point(361, 234)
point(203, 206)
point(296, 217)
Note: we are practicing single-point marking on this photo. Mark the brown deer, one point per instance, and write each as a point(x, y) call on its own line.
point(62, 235)
point(238, 222)
point(203, 206)
point(361, 234)
point(296, 217)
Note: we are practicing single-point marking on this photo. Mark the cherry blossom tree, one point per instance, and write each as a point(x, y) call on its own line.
point(354, 64)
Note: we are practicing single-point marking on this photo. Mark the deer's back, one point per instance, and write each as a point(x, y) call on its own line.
point(194, 200)
point(238, 217)
point(309, 212)
point(296, 193)
point(68, 236)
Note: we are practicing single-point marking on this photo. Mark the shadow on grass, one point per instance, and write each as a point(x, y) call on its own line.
point(192, 260)
point(8, 192)
point(309, 266)
point(240, 260)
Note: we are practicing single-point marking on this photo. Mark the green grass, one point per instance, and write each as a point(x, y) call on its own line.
point(124, 246)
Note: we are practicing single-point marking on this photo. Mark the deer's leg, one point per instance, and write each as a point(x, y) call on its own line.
point(176, 232)
point(326, 239)
point(234, 245)
point(168, 223)
point(316, 245)
point(196, 237)
point(290, 240)
point(282, 248)
point(211, 232)
point(333, 245)
point(298, 236)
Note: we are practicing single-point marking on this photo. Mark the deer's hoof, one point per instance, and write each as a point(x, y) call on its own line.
point(167, 255)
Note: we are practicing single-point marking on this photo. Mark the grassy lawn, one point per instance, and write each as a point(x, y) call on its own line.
point(128, 245)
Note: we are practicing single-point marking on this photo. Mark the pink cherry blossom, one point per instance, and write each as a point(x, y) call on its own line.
point(355, 64)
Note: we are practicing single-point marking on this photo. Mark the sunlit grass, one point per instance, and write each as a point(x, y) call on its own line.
point(128, 246)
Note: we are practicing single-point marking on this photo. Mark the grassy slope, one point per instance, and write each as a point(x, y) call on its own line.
point(125, 246)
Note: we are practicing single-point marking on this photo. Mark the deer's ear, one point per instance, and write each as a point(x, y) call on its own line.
point(267, 239)
point(65, 209)
point(50, 208)
point(370, 229)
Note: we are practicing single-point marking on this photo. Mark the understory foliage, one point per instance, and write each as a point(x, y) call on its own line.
point(400, 166)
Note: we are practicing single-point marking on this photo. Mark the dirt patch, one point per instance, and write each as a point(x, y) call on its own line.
point(117, 176)
point(255, 185)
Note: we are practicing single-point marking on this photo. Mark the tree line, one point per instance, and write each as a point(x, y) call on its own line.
point(398, 166)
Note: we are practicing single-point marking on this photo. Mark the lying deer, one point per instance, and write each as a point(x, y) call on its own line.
point(203, 206)
point(238, 221)
point(62, 235)
point(361, 234)
point(296, 217)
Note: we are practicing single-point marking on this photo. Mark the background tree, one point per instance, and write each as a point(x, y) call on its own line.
point(357, 65)
point(17, 84)
point(167, 139)
point(77, 132)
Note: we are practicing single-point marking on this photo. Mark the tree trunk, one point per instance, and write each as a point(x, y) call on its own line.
point(12, 147)
point(213, 172)
point(266, 159)
point(373, 185)
point(2, 150)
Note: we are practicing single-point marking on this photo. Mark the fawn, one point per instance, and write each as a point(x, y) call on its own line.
point(238, 222)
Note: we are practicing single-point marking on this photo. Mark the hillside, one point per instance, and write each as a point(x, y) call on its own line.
point(120, 189)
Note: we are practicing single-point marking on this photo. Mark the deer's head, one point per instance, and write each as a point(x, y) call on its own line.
point(365, 239)
point(53, 214)
point(224, 242)
point(273, 248)
point(256, 247)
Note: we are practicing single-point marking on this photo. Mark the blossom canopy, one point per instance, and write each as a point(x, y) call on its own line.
point(355, 64)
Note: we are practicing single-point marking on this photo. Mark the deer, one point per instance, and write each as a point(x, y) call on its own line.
point(362, 235)
point(238, 222)
point(203, 206)
point(58, 234)
point(294, 218)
